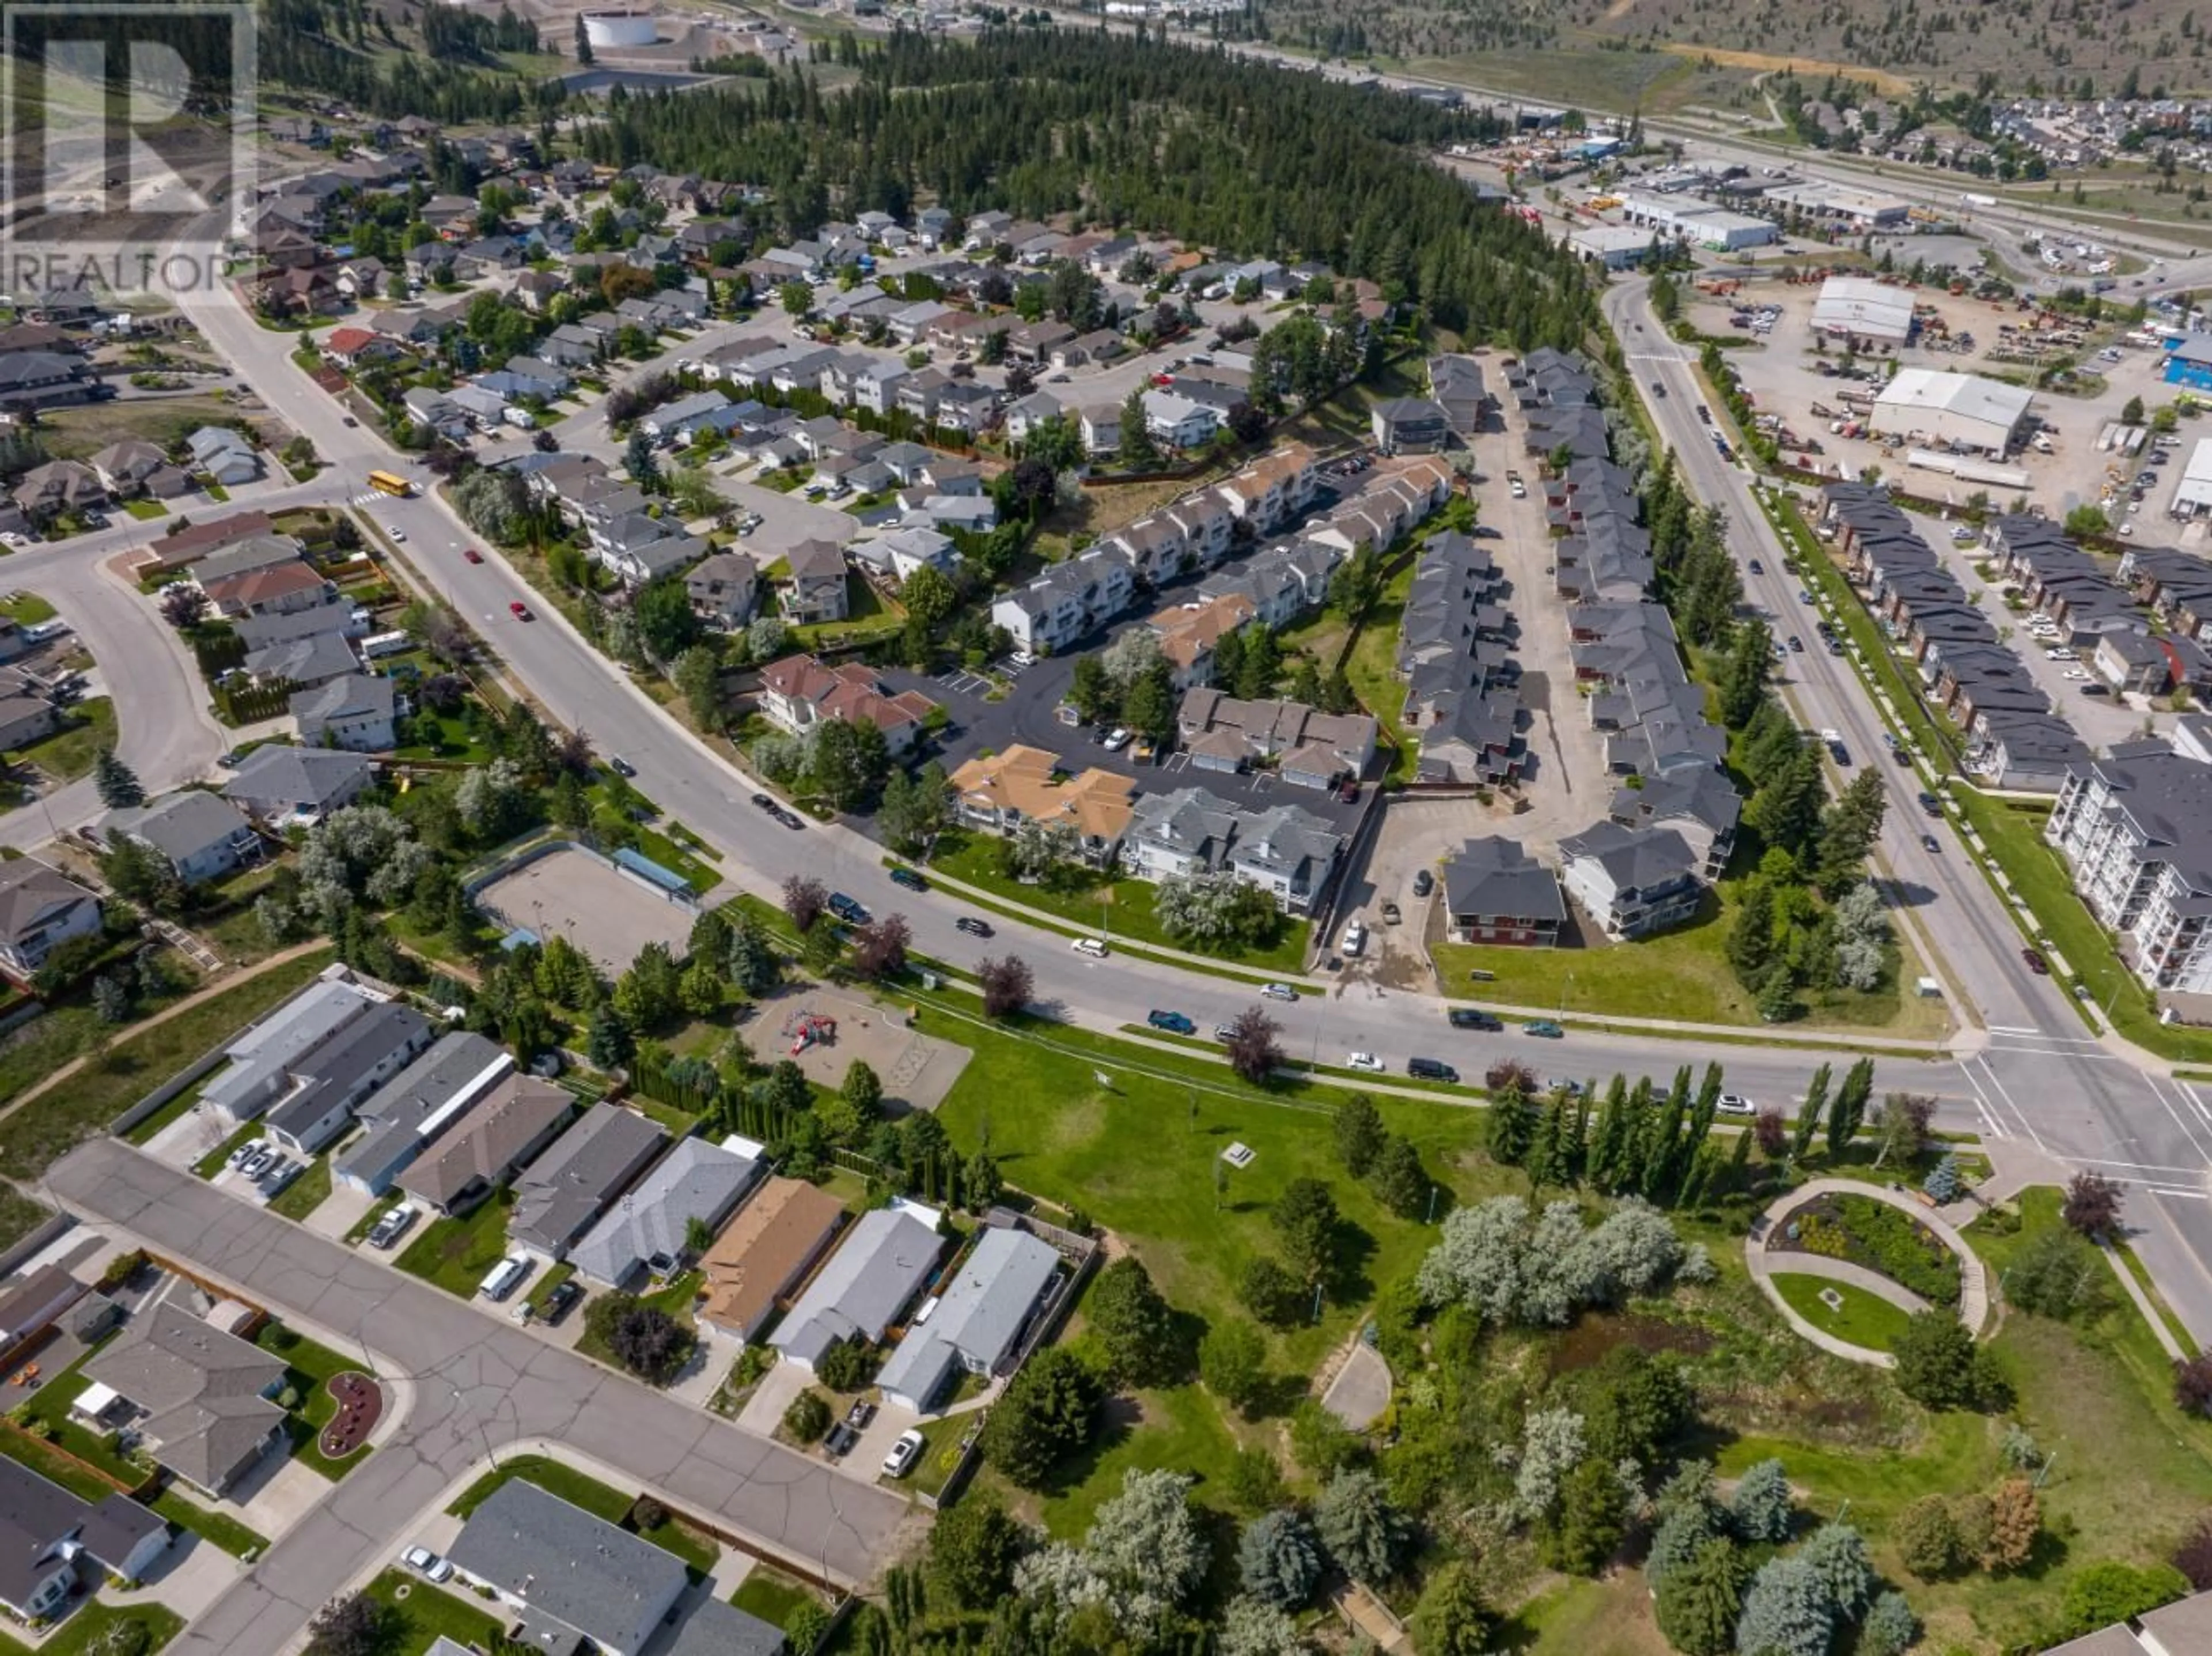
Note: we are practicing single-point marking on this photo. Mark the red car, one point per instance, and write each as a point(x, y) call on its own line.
point(2036, 963)
point(521, 610)
point(472, 555)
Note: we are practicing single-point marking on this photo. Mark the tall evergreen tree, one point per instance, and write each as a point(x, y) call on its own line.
point(1512, 1124)
point(1810, 1113)
point(1743, 681)
point(1751, 936)
point(1664, 1133)
point(116, 782)
point(1848, 1113)
point(1603, 1155)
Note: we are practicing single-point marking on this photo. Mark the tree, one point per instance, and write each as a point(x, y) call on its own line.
point(1848, 1111)
point(116, 782)
point(1837, 1555)
point(609, 1046)
point(1451, 1619)
point(1305, 1217)
point(1007, 984)
point(2192, 1383)
point(1138, 452)
point(972, 1547)
point(2131, 412)
point(1359, 1134)
point(1270, 1292)
point(1809, 1114)
point(1046, 1413)
point(1253, 1482)
point(879, 950)
point(1249, 1628)
point(1278, 1559)
point(355, 1625)
point(183, 604)
point(1744, 680)
point(805, 900)
point(1592, 1518)
point(1786, 1612)
point(1147, 1538)
point(2015, 1525)
point(806, 1418)
point(1230, 1359)
point(110, 999)
point(1699, 1600)
point(797, 298)
point(1633, 1406)
point(1135, 1326)
point(585, 56)
point(2192, 1554)
point(847, 1367)
point(1944, 1183)
point(1253, 1052)
point(1906, 1119)
point(1937, 1366)
point(1890, 1628)
point(1398, 1179)
point(2104, 1593)
point(1759, 1512)
point(1926, 1537)
point(2092, 1205)
point(644, 1338)
point(698, 675)
point(1512, 1122)
point(1362, 1531)
point(912, 811)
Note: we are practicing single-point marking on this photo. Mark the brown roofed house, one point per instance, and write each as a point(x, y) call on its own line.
point(489, 1146)
point(764, 1252)
point(998, 790)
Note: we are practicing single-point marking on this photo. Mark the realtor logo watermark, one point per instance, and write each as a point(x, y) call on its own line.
point(128, 154)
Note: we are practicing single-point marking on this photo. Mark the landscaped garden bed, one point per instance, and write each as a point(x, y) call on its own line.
point(1872, 1233)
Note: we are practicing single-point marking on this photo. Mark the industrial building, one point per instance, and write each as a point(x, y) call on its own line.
point(2189, 362)
point(1856, 307)
point(1963, 411)
point(2192, 496)
point(1707, 225)
point(1616, 247)
point(1861, 209)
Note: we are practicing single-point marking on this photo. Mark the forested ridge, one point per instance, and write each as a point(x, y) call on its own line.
point(1127, 134)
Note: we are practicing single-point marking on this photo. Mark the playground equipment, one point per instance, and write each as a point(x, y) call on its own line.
point(806, 1029)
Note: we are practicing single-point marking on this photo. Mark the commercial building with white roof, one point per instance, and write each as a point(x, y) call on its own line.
point(2192, 496)
point(1858, 307)
point(1965, 410)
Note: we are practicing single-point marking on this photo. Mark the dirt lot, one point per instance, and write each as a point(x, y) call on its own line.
point(606, 914)
point(917, 1070)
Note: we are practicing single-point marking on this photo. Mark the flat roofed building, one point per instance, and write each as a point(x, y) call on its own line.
point(1856, 307)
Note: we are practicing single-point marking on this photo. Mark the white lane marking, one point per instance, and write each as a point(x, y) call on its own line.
point(2011, 1103)
point(2192, 1196)
point(2133, 1167)
point(2180, 1120)
point(2196, 1098)
point(2006, 1029)
point(1995, 1128)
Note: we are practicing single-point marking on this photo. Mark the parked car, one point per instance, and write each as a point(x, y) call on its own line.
point(427, 1563)
point(393, 1225)
point(841, 1440)
point(1469, 1017)
point(1353, 941)
point(1279, 991)
point(907, 877)
point(1545, 1028)
point(1366, 1063)
point(559, 1302)
point(1735, 1103)
point(972, 926)
point(1391, 916)
point(1093, 946)
point(1116, 738)
point(1174, 1022)
point(1424, 882)
point(846, 910)
point(1431, 1069)
point(859, 1414)
point(247, 1151)
point(903, 1454)
point(622, 767)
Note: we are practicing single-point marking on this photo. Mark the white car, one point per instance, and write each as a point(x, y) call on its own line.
point(1279, 991)
point(1354, 939)
point(2075, 674)
point(2061, 654)
point(1365, 1061)
point(1735, 1103)
point(396, 532)
point(903, 1454)
point(1116, 738)
point(429, 1563)
point(1093, 946)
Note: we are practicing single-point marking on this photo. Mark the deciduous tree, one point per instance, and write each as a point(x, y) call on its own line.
point(1007, 984)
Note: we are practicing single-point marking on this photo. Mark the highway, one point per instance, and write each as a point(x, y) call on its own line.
point(2034, 1071)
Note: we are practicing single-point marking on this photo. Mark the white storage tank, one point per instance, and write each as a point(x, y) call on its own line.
point(605, 29)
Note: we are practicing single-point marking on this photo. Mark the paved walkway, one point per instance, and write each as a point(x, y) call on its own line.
point(1361, 1391)
point(1973, 1280)
point(2161, 1330)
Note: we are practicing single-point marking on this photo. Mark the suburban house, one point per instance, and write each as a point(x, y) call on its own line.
point(134, 466)
point(1274, 489)
point(1068, 601)
point(1633, 881)
point(52, 1542)
point(41, 910)
point(401, 1116)
point(765, 1252)
point(1020, 783)
point(281, 589)
point(978, 1322)
point(58, 486)
point(202, 835)
point(25, 718)
point(1187, 831)
point(571, 1184)
point(886, 1258)
point(261, 1057)
point(495, 1139)
point(1310, 748)
point(224, 456)
point(355, 713)
point(800, 692)
point(1289, 853)
point(314, 658)
point(200, 1398)
point(572, 1579)
point(1102, 428)
point(714, 1628)
point(810, 585)
point(649, 1229)
point(330, 1080)
point(1496, 893)
point(1179, 421)
point(721, 589)
point(283, 786)
point(1410, 425)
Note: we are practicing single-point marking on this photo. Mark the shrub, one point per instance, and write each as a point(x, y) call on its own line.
point(1938, 1365)
point(2192, 1383)
point(2192, 1556)
point(646, 1514)
point(1926, 1537)
point(2108, 1592)
point(1278, 1559)
point(1900, 1248)
point(808, 1417)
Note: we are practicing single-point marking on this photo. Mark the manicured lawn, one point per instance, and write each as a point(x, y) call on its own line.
point(306, 1193)
point(454, 742)
point(771, 1595)
point(51, 1408)
point(456, 1253)
point(87, 728)
point(1681, 975)
point(19, 1215)
point(216, 1529)
point(146, 509)
point(28, 608)
point(542, 1289)
point(555, 1477)
point(309, 1367)
point(85, 1632)
point(55, 1123)
point(1372, 670)
point(1865, 1320)
point(367, 1222)
point(679, 1122)
point(428, 1613)
point(1182, 1429)
point(866, 616)
point(146, 1131)
point(53, 1465)
point(1121, 909)
point(941, 1452)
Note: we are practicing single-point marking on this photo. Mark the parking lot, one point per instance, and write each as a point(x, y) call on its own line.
point(607, 914)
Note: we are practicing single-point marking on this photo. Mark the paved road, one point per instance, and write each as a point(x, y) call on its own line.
point(478, 1384)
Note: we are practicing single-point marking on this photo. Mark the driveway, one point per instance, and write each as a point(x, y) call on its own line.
point(471, 1383)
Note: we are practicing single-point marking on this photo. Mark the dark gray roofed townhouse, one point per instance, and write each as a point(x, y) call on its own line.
point(571, 1184)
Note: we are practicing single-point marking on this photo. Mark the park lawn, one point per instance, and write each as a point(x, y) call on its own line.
point(555, 1477)
point(456, 1254)
point(304, 1194)
point(69, 753)
point(1181, 1428)
point(54, 1123)
point(428, 1613)
point(1612, 1616)
point(216, 1529)
point(308, 1369)
point(19, 1215)
point(1866, 1319)
point(1119, 909)
point(1681, 975)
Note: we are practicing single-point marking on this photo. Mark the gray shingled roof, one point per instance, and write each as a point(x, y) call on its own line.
point(979, 1318)
point(695, 1180)
point(295, 776)
point(569, 1186)
point(571, 1570)
point(201, 1388)
point(885, 1258)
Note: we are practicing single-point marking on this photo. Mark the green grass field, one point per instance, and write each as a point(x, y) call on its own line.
point(428, 1613)
point(310, 1367)
point(69, 753)
point(19, 1215)
point(1866, 1319)
point(455, 1254)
